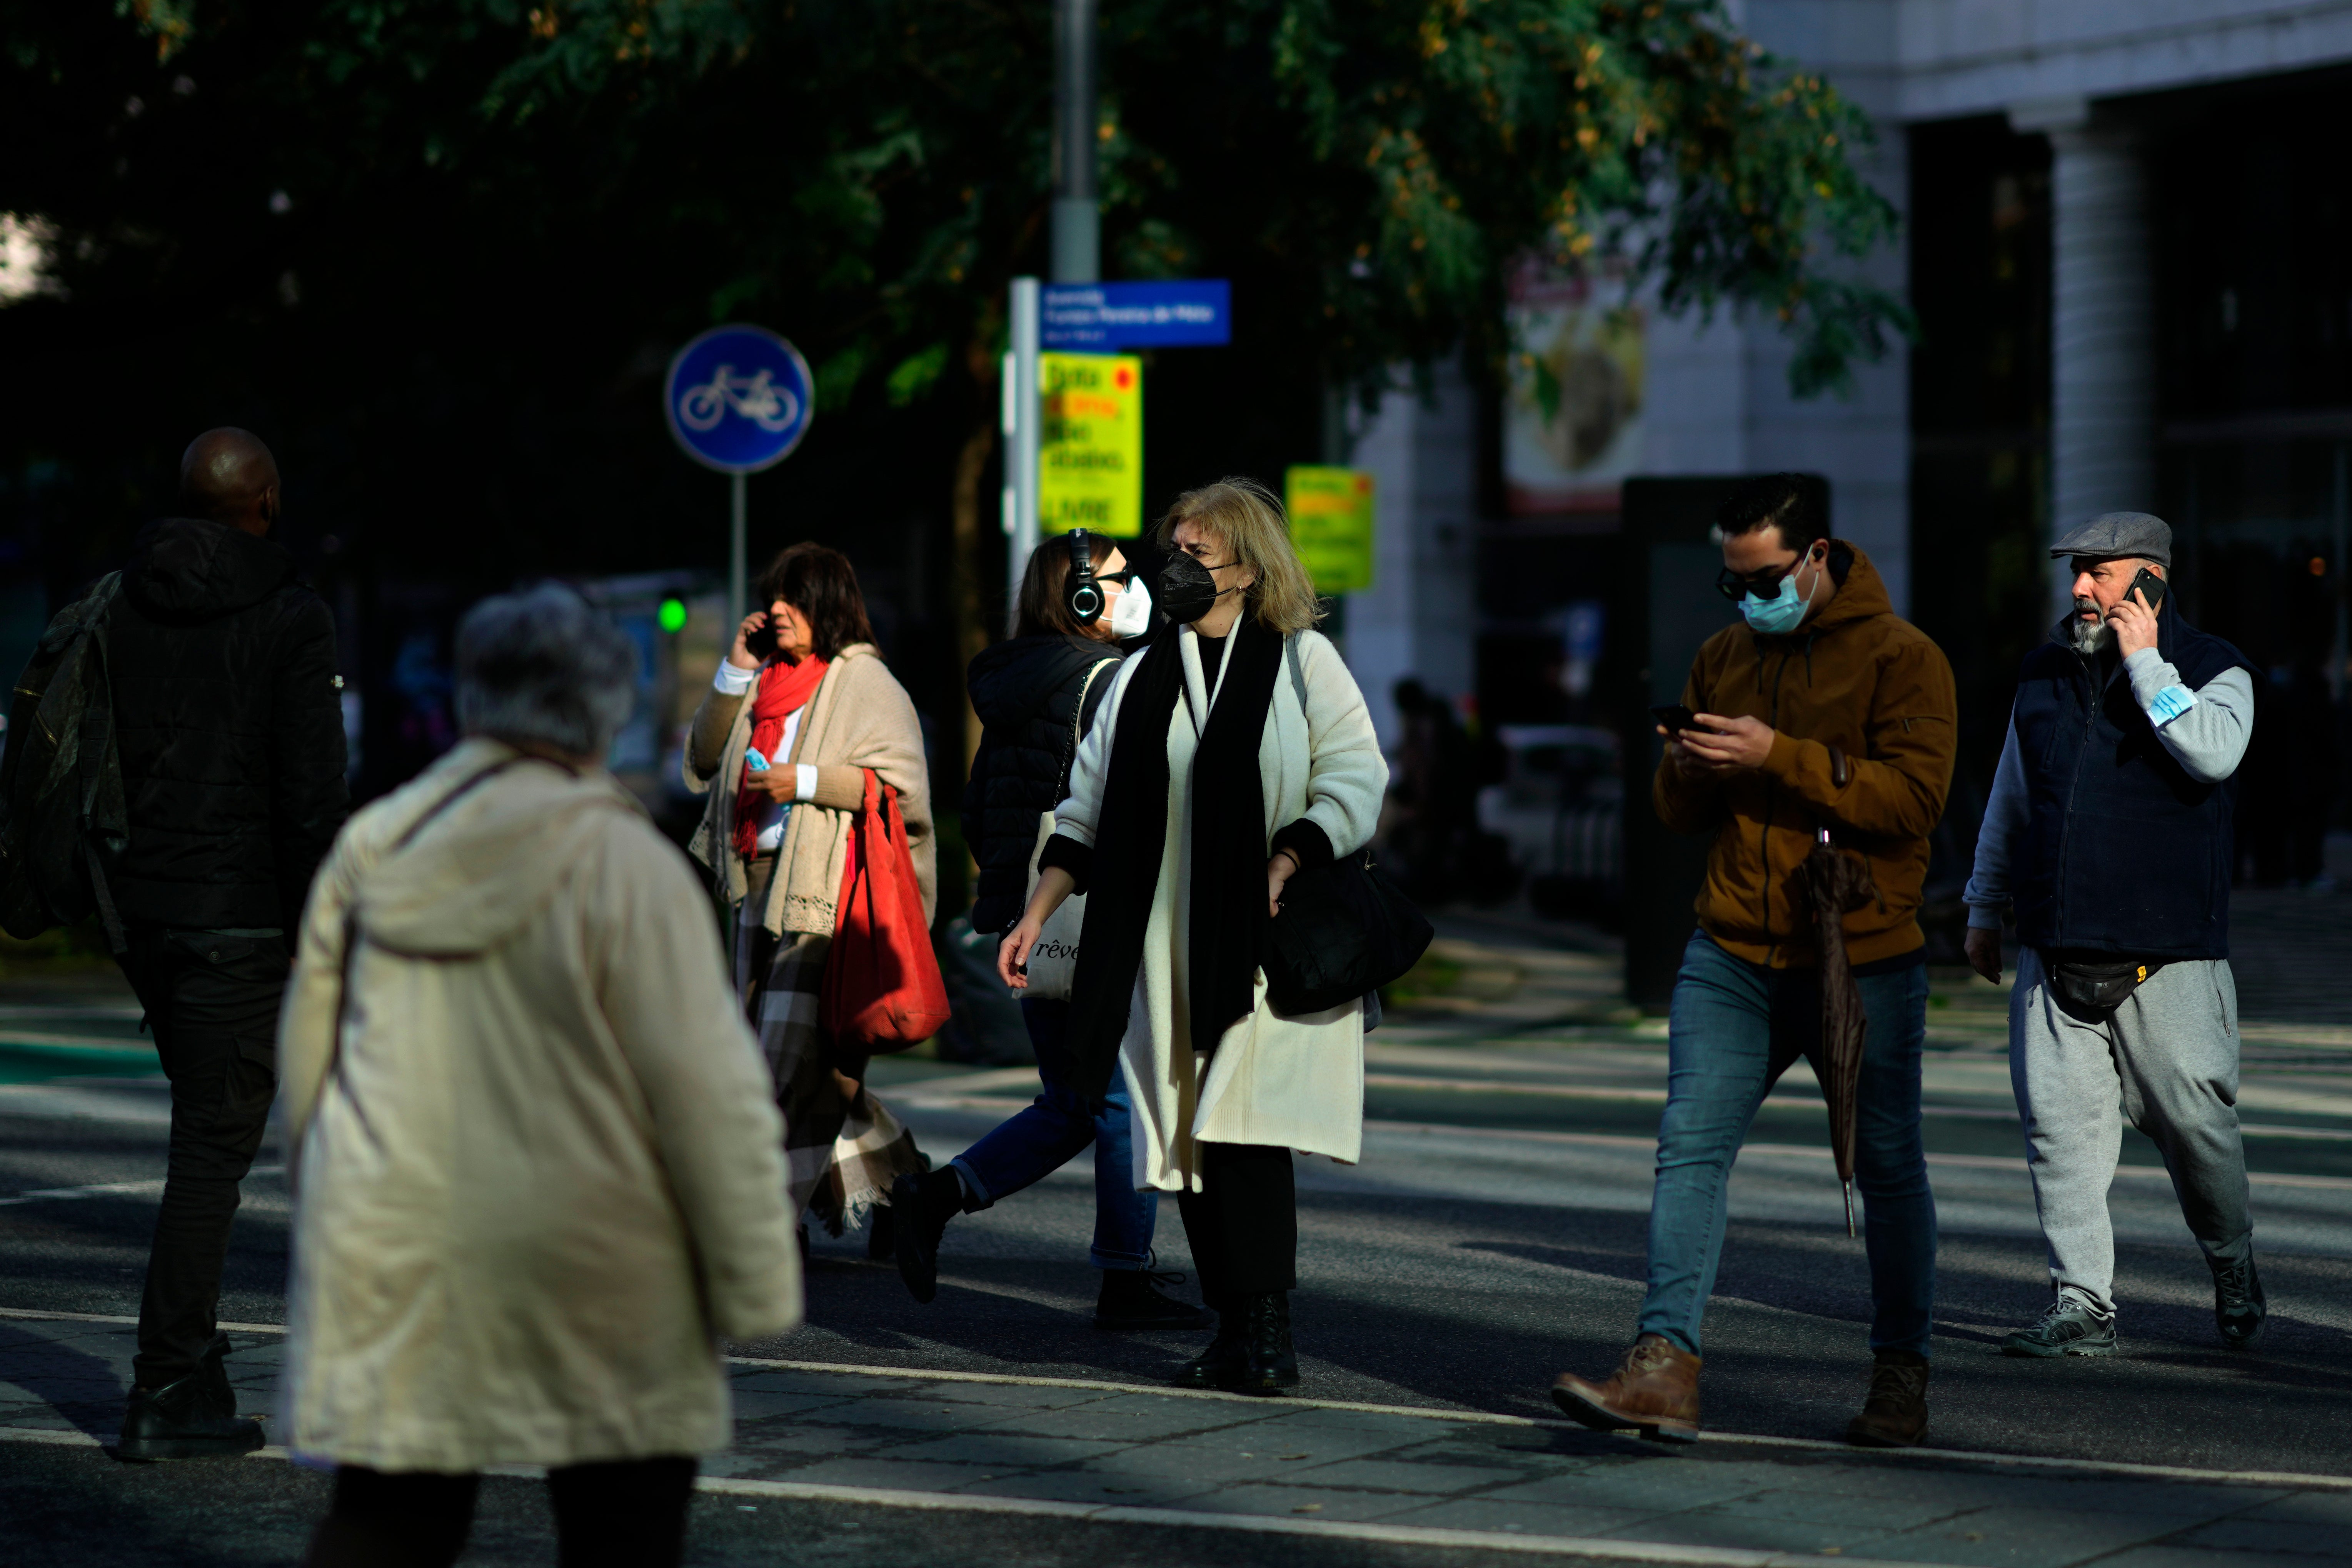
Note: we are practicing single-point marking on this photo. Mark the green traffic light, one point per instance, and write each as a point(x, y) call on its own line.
point(673, 616)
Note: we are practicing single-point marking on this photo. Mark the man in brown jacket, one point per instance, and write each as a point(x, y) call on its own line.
point(1823, 711)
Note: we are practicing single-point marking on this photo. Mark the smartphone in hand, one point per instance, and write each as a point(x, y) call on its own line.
point(1676, 718)
point(2149, 586)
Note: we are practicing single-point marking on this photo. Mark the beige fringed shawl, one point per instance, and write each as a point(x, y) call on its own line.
point(860, 718)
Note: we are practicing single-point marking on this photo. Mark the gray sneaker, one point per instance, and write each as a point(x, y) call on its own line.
point(2070, 1327)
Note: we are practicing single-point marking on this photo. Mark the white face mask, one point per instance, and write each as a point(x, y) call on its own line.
point(1130, 613)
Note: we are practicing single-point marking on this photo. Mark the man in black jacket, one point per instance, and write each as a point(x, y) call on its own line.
point(228, 709)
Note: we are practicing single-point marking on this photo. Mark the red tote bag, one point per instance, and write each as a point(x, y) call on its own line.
point(882, 986)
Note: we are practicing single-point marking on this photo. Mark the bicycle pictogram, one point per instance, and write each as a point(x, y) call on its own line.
point(755, 397)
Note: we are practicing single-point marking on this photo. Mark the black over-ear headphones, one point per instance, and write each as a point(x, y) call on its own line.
point(1085, 596)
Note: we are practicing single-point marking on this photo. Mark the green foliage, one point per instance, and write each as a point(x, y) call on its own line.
point(1450, 141)
point(916, 374)
point(469, 232)
point(1392, 158)
point(1384, 160)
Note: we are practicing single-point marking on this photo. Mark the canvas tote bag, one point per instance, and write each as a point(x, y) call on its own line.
point(1053, 965)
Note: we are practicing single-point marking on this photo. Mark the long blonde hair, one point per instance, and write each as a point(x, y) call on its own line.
point(1247, 519)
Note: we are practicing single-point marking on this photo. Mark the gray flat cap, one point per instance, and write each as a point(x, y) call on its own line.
point(2113, 533)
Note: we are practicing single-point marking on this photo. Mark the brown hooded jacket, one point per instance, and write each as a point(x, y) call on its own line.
point(1864, 710)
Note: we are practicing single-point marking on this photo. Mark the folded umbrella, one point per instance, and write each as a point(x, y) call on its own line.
point(1834, 883)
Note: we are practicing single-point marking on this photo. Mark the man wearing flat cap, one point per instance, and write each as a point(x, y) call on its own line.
point(2109, 830)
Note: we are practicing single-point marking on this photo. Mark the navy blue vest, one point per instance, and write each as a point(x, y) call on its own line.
point(2123, 853)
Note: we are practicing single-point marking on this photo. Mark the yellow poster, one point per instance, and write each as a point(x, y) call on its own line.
point(1090, 444)
point(1331, 524)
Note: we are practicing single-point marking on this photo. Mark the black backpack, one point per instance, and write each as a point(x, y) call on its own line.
point(64, 821)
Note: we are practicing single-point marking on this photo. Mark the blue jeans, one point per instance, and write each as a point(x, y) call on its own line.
point(1050, 1134)
point(1736, 1027)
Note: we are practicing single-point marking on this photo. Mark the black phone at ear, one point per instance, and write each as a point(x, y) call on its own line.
point(2149, 586)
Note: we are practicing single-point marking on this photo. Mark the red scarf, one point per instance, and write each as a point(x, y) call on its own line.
point(784, 690)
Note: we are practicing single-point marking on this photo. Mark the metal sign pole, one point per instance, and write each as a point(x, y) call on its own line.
point(1021, 421)
point(1077, 219)
point(738, 567)
point(2340, 649)
point(737, 399)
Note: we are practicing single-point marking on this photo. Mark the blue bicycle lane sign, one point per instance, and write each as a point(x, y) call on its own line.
point(738, 399)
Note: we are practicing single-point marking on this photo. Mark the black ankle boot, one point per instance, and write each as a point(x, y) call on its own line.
point(214, 1369)
point(1131, 1298)
point(186, 1419)
point(1226, 1361)
point(2240, 1307)
point(881, 1232)
point(1273, 1364)
point(925, 1202)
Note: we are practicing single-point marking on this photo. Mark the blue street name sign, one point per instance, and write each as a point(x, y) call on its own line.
point(738, 399)
point(1197, 312)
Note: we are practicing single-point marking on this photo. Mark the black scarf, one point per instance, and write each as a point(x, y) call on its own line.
point(1229, 850)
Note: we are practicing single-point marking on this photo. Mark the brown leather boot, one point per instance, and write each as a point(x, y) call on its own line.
point(1655, 1391)
point(1894, 1412)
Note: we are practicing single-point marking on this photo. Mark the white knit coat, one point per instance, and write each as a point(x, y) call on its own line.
point(1296, 1080)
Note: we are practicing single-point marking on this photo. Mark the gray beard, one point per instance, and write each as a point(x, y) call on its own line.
point(2092, 637)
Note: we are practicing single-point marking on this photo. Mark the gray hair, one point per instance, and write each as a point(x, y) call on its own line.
point(544, 665)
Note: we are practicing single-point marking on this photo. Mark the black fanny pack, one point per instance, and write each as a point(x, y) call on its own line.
point(2092, 987)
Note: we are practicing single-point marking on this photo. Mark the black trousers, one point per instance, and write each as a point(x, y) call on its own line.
point(211, 1003)
point(629, 1513)
point(1243, 1224)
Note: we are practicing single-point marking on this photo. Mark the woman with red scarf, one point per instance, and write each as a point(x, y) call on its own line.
point(801, 706)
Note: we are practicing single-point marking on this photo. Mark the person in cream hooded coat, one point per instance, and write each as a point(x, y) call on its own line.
point(536, 1160)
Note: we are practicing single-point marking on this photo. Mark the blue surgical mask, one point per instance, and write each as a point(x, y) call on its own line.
point(1781, 614)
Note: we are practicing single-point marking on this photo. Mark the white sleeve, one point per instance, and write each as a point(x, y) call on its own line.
point(734, 682)
point(1346, 777)
point(2206, 730)
point(1076, 817)
point(1987, 894)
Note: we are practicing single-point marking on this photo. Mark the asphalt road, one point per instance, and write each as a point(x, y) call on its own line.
point(1492, 1238)
point(1416, 1291)
point(75, 1508)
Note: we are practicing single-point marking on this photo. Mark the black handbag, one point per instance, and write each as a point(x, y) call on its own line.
point(1345, 930)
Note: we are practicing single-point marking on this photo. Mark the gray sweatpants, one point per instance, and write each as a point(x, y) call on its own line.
point(2167, 1059)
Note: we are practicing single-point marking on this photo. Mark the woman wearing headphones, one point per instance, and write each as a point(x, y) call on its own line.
point(1233, 754)
point(1036, 693)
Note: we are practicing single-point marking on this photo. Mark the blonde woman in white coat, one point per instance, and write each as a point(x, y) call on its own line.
point(1233, 754)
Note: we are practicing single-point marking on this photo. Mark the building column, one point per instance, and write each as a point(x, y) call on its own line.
point(2102, 322)
point(1419, 617)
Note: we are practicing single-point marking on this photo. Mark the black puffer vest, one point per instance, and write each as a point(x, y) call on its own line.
point(2123, 853)
point(1026, 692)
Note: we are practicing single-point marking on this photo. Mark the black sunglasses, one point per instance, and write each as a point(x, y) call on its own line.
point(1122, 578)
point(1730, 585)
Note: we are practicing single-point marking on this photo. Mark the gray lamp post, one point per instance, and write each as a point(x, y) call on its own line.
point(1077, 223)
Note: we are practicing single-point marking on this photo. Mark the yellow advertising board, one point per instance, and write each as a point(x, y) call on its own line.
point(1331, 524)
point(1090, 444)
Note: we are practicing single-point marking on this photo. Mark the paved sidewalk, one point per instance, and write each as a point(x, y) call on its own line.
point(1441, 1479)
